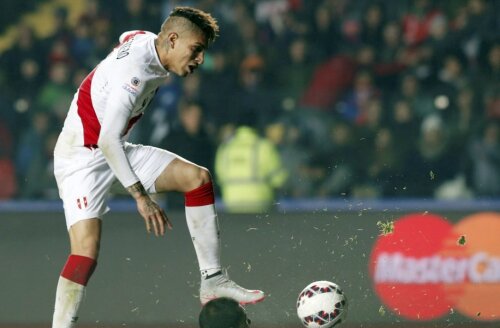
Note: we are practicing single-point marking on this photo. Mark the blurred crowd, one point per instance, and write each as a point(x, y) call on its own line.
point(361, 98)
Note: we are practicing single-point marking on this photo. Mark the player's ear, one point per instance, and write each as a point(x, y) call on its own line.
point(172, 39)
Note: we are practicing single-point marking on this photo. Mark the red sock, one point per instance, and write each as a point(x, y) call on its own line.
point(201, 196)
point(79, 269)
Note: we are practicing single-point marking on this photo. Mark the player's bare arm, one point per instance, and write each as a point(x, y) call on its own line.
point(152, 213)
point(115, 120)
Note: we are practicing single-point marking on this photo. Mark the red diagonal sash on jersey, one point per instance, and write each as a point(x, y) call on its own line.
point(91, 125)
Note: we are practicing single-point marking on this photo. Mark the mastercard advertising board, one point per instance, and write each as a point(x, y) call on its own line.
point(428, 268)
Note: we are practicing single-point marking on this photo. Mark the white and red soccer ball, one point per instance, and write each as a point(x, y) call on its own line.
point(322, 304)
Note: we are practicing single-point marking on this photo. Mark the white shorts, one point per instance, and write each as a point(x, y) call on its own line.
point(84, 180)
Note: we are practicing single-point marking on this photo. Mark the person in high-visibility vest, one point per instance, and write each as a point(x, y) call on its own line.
point(249, 170)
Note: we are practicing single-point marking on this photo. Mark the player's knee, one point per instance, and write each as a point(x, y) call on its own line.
point(204, 176)
point(88, 247)
point(198, 176)
point(201, 191)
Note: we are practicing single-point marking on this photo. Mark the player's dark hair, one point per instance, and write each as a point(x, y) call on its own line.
point(204, 21)
point(222, 312)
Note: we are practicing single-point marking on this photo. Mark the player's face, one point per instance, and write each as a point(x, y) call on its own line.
point(188, 53)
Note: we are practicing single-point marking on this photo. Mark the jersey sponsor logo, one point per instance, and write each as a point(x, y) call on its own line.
point(130, 89)
point(428, 267)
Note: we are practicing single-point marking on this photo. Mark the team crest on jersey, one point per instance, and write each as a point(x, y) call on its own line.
point(135, 81)
point(79, 202)
point(132, 86)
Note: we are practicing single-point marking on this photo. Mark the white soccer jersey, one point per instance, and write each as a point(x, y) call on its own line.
point(111, 99)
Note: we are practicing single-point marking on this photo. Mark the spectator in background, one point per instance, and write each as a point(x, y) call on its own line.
point(490, 82)
point(248, 169)
point(24, 93)
point(59, 52)
point(331, 79)
point(39, 182)
point(25, 48)
point(340, 162)
point(56, 95)
point(412, 92)
point(490, 72)
point(8, 180)
point(230, 15)
point(102, 42)
point(294, 73)
point(481, 24)
point(101, 29)
point(382, 174)
point(440, 42)
point(434, 161)
point(468, 114)
point(356, 105)
point(484, 160)
point(82, 45)
point(79, 76)
point(372, 25)
point(248, 36)
point(391, 56)
point(492, 100)
point(328, 82)
point(374, 117)
point(325, 32)
point(219, 80)
point(189, 139)
point(305, 147)
point(295, 155)
point(7, 125)
point(136, 15)
point(252, 93)
point(31, 150)
point(27, 83)
point(62, 31)
point(191, 88)
point(416, 23)
point(390, 46)
point(92, 11)
point(451, 76)
point(405, 127)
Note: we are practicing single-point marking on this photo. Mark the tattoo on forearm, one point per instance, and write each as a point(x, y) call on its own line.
point(137, 190)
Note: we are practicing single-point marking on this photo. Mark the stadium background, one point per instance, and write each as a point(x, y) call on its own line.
point(378, 108)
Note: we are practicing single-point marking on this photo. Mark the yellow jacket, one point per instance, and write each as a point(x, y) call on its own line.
point(248, 169)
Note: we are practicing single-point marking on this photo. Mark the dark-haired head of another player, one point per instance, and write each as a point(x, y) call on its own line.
point(183, 39)
point(223, 312)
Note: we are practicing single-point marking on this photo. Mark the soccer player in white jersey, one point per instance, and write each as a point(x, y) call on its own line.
point(92, 152)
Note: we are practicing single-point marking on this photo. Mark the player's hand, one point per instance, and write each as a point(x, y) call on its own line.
point(154, 216)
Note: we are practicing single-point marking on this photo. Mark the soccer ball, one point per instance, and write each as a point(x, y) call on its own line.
point(322, 304)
